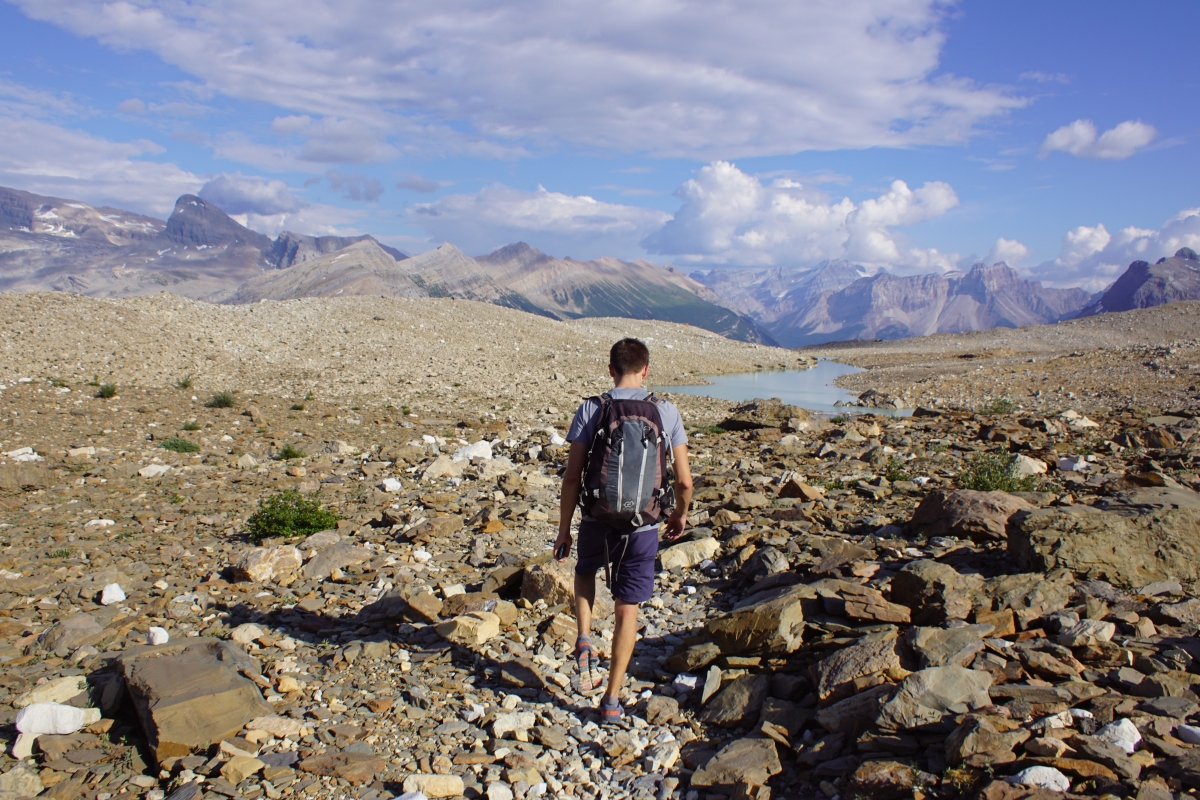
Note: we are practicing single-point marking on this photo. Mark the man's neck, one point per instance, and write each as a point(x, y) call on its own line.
point(629, 382)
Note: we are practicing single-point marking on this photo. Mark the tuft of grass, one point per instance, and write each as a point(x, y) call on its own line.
point(57, 383)
point(310, 396)
point(221, 400)
point(715, 430)
point(184, 383)
point(840, 419)
point(176, 499)
point(289, 514)
point(994, 472)
point(178, 444)
point(192, 425)
point(107, 390)
point(289, 452)
point(895, 471)
point(64, 552)
point(405, 410)
point(297, 406)
point(1000, 407)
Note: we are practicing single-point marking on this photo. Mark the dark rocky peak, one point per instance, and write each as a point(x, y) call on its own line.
point(983, 281)
point(1187, 254)
point(198, 223)
point(294, 248)
point(16, 209)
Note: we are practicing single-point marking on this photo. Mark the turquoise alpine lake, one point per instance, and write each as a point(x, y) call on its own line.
point(813, 389)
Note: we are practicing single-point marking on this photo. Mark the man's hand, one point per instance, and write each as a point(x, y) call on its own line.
point(564, 540)
point(676, 524)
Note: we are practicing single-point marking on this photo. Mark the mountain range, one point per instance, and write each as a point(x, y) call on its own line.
point(48, 243)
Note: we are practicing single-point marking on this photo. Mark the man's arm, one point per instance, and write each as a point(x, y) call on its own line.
point(570, 495)
point(683, 492)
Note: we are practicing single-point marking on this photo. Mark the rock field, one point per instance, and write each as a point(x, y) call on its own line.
point(998, 603)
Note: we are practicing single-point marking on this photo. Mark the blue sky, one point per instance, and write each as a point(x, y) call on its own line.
point(902, 134)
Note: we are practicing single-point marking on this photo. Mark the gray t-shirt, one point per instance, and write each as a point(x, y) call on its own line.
point(583, 426)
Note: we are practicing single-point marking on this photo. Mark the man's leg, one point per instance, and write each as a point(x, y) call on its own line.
point(585, 597)
point(624, 637)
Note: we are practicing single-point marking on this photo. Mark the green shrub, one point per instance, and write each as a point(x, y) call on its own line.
point(289, 514)
point(64, 552)
point(840, 419)
point(184, 383)
point(107, 390)
point(289, 452)
point(57, 383)
point(178, 444)
point(297, 406)
point(994, 472)
point(999, 407)
point(192, 425)
point(895, 471)
point(221, 400)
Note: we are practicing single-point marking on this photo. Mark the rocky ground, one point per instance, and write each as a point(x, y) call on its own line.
point(1146, 359)
point(851, 615)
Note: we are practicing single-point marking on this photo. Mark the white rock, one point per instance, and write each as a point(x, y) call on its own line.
point(1041, 777)
point(1025, 467)
point(513, 721)
point(1073, 464)
point(23, 745)
point(157, 636)
point(391, 485)
point(557, 440)
point(427, 439)
point(279, 727)
point(75, 452)
point(154, 470)
point(481, 449)
point(1188, 733)
point(23, 454)
point(59, 690)
point(246, 633)
point(112, 593)
point(99, 523)
point(55, 718)
point(412, 796)
point(421, 556)
point(499, 791)
point(684, 682)
point(689, 554)
point(247, 461)
point(1123, 733)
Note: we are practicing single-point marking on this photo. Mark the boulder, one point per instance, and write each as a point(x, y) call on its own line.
point(20, 781)
point(473, 628)
point(977, 743)
point(1030, 594)
point(773, 624)
point(839, 673)
point(355, 768)
point(882, 780)
point(936, 647)
point(1087, 631)
point(191, 695)
point(979, 516)
point(688, 554)
point(752, 760)
point(262, 564)
point(737, 703)
point(857, 711)
point(554, 582)
point(1041, 777)
point(925, 697)
point(339, 555)
point(748, 501)
point(442, 467)
point(1128, 552)
point(772, 413)
point(435, 785)
point(72, 632)
point(58, 690)
point(935, 591)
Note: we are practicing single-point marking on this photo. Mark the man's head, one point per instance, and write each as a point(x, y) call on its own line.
point(628, 358)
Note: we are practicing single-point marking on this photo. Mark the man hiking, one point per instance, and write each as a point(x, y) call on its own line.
point(617, 471)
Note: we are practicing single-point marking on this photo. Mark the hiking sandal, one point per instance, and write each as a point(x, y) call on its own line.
point(591, 679)
point(611, 713)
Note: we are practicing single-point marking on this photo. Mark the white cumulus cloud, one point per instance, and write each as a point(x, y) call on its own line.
point(1093, 258)
point(1080, 139)
point(728, 216)
point(561, 224)
point(1010, 251)
point(670, 78)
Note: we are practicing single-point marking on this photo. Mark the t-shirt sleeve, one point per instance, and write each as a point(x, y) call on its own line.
point(673, 422)
point(583, 426)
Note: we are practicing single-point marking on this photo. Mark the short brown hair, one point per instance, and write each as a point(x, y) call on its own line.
point(629, 355)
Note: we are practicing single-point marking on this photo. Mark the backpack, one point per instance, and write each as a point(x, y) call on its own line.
point(625, 480)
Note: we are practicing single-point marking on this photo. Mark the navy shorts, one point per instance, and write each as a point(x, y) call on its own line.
point(631, 558)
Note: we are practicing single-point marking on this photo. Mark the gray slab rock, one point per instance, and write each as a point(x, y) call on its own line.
point(752, 760)
point(872, 654)
point(936, 647)
point(925, 697)
point(979, 516)
point(775, 624)
point(936, 592)
point(738, 703)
